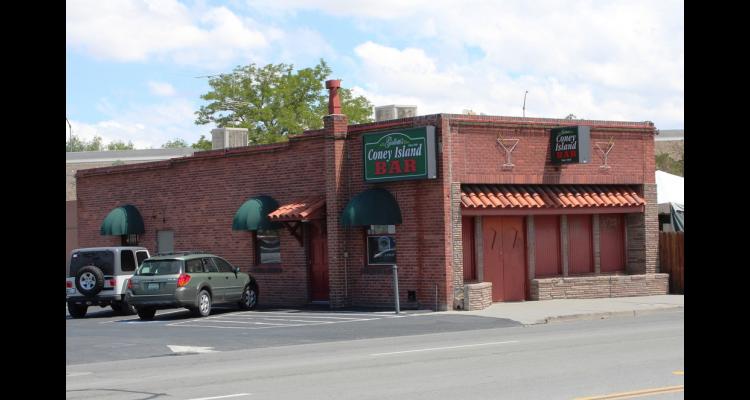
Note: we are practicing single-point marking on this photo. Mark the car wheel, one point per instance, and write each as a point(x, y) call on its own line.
point(77, 310)
point(146, 314)
point(204, 304)
point(89, 280)
point(249, 297)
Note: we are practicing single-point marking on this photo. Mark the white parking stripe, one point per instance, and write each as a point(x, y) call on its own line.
point(280, 316)
point(222, 397)
point(444, 348)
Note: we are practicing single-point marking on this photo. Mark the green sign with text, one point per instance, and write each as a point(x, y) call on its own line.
point(400, 155)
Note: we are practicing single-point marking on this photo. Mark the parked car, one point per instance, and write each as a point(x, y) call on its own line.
point(195, 281)
point(99, 276)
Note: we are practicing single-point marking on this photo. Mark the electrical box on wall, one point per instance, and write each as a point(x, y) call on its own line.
point(570, 145)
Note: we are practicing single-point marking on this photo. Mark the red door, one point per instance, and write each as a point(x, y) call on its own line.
point(504, 253)
point(467, 232)
point(580, 245)
point(318, 263)
point(547, 252)
point(612, 242)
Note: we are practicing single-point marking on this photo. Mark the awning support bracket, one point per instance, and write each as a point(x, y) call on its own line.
point(295, 230)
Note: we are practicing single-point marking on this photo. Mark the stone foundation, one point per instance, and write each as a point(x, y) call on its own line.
point(477, 296)
point(591, 287)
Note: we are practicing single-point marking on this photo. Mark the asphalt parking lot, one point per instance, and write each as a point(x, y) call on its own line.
point(105, 336)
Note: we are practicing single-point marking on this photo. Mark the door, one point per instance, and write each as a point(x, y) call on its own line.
point(216, 280)
point(467, 232)
point(233, 282)
point(580, 245)
point(504, 250)
point(547, 245)
point(318, 260)
point(612, 242)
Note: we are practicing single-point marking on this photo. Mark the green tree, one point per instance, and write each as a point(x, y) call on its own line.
point(120, 145)
point(177, 143)
point(202, 144)
point(665, 162)
point(274, 101)
point(77, 144)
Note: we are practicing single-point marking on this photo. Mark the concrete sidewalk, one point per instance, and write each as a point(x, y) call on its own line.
point(541, 312)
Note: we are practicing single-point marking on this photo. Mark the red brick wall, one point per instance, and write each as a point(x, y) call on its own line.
point(420, 239)
point(198, 199)
point(479, 159)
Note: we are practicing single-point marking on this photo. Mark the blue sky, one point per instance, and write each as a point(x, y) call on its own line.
point(134, 67)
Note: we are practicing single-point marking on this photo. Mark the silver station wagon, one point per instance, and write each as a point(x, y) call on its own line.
point(195, 281)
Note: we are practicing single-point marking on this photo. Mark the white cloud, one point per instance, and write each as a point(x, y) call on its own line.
point(604, 60)
point(142, 30)
point(161, 88)
point(145, 125)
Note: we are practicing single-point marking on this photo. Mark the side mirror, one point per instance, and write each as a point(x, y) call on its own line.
point(236, 270)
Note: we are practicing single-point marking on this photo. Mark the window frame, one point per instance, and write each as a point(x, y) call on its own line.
point(124, 256)
point(390, 234)
point(256, 246)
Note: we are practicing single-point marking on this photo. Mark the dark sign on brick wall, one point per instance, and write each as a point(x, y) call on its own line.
point(400, 155)
point(570, 145)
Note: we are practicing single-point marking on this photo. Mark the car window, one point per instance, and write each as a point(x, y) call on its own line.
point(160, 267)
point(223, 265)
point(127, 261)
point(209, 265)
point(104, 259)
point(193, 266)
point(141, 256)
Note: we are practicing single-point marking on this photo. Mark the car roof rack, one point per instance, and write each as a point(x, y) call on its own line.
point(182, 253)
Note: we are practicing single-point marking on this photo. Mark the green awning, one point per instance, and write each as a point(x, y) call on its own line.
point(372, 207)
point(253, 214)
point(123, 220)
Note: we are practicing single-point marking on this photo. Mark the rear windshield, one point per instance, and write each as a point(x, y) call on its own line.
point(104, 259)
point(160, 267)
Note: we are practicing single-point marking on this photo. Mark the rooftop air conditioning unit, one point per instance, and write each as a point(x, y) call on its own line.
point(384, 113)
point(223, 138)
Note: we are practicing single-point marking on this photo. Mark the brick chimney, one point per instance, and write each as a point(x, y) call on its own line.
point(334, 103)
point(336, 171)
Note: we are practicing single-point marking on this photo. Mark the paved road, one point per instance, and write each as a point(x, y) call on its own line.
point(104, 336)
point(555, 361)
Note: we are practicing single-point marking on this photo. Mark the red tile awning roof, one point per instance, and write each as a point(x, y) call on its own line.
point(300, 210)
point(548, 196)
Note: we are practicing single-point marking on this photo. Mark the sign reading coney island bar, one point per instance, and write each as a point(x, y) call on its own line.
point(570, 145)
point(400, 155)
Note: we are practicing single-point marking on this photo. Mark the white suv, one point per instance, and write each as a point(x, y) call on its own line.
point(99, 276)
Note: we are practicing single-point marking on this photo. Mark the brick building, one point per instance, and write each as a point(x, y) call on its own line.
point(490, 218)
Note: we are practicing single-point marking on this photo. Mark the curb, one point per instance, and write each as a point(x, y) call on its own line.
point(606, 315)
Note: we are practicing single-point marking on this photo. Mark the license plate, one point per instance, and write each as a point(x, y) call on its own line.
point(71, 291)
point(152, 286)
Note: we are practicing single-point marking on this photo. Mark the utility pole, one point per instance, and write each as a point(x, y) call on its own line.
point(524, 103)
point(70, 134)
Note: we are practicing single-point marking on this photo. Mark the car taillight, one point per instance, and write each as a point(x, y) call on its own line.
point(183, 280)
point(69, 284)
point(130, 284)
point(112, 283)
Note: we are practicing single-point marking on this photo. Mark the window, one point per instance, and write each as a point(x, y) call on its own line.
point(129, 240)
point(381, 245)
point(127, 261)
point(209, 266)
point(141, 255)
point(103, 259)
point(267, 247)
point(193, 266)
point(160, 267)
point(223, 265)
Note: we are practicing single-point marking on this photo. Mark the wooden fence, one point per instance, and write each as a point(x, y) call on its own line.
point(672, 259)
